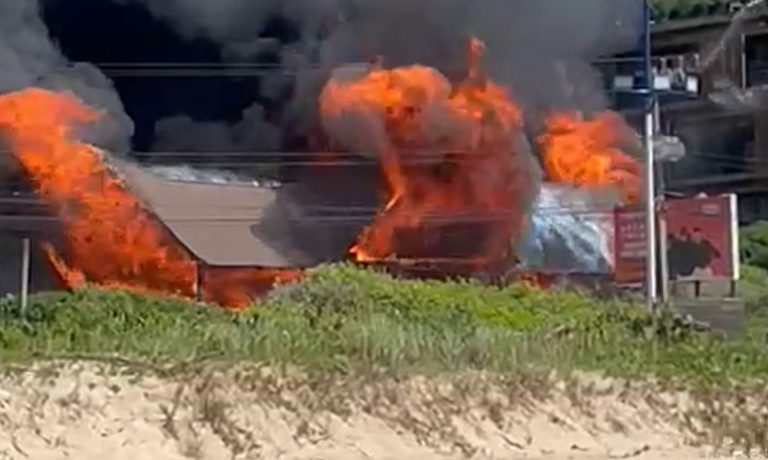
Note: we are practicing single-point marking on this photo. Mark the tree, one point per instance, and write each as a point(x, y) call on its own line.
point(680, 9)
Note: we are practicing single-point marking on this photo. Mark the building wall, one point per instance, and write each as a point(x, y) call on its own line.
point(727, 143)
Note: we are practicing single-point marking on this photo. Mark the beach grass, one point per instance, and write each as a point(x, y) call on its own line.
point(343, 319)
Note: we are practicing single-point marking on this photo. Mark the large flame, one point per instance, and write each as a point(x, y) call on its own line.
point(447, 156)
point(584, 153)
point(111, 239)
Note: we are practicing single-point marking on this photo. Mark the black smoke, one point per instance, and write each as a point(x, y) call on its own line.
point(30, 57)
point(541, 48)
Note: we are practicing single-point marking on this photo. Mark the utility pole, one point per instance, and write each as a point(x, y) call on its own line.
point(650, 184)
point(661, 220)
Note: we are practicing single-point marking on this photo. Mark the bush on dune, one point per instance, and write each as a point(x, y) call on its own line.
point(342, 318)
point(350, 291)
point(754, 245)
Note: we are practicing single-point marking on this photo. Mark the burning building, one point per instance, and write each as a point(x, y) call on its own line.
point(466, 181)
point(460, 179)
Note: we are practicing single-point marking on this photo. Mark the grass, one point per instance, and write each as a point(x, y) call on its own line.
point(343, 319)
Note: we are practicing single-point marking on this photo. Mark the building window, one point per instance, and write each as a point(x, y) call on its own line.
point(756, 55)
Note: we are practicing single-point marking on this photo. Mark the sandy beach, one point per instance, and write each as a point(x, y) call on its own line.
point(84, 411)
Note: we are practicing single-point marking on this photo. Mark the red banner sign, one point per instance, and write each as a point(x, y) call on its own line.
point(629, 246)
point(701, 240)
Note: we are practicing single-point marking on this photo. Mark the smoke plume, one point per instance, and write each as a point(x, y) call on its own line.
point(238, 24)
point(540, 48)
point(28, 57)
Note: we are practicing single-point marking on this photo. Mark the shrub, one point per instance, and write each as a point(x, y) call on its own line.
point(754, 245)
point(347, 290)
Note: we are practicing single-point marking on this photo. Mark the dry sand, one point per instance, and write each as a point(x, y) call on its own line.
point(81, 411)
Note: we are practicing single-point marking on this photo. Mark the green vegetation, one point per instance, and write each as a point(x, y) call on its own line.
point(754, 284)
point(679, 9)
point(344, 319)
point(754, 245)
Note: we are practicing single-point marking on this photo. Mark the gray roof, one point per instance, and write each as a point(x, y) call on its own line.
point(222, 225)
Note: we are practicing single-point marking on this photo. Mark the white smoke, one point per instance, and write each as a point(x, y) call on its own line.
point(28, 57)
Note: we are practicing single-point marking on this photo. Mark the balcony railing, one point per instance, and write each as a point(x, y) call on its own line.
point(673, 74)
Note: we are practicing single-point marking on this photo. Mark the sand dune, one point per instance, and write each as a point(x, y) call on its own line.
point(83, 411)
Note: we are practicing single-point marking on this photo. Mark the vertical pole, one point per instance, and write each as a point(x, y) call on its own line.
point(650, 192)
point(743, 57)
point(735, 249)
point(25, 268)
point(663, 256)
point(661, 222)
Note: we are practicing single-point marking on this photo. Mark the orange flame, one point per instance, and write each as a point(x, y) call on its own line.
point(588, 153)
point(111, 240)
point(236, 288)
point(473, 174)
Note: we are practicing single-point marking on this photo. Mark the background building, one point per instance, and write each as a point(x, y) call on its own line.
point(711, 65)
